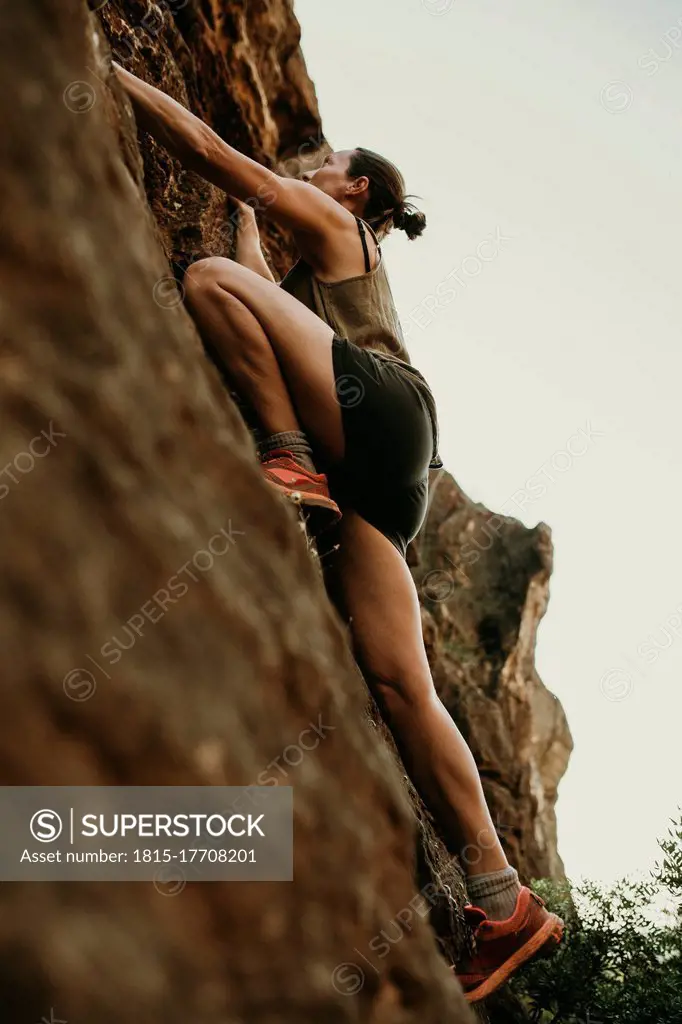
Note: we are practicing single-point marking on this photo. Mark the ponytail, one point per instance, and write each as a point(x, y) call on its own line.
point(409, 219)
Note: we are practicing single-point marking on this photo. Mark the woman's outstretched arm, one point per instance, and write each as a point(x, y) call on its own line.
point(294, 203)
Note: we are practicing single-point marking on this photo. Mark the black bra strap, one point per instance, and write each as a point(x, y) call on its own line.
point(361, 229)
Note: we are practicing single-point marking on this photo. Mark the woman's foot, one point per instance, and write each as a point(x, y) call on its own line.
point(504, 946)
point(301, 486)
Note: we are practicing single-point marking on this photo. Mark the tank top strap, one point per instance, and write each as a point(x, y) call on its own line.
point(365, 249)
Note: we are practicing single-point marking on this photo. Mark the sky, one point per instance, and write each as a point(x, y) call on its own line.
point(544, 140)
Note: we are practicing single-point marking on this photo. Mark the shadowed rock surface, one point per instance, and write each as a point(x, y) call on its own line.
point(238, 65)
point(148, 462)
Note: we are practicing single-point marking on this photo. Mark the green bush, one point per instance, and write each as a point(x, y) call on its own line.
point(621, 960)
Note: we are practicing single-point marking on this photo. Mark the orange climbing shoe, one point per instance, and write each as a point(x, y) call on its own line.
point(504, 946)
point(300, 486)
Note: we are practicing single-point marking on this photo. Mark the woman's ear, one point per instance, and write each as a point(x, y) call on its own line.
point(357, 186)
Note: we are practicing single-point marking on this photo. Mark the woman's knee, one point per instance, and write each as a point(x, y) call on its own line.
point(208, 274)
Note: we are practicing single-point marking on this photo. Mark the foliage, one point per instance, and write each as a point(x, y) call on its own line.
point(621, 960)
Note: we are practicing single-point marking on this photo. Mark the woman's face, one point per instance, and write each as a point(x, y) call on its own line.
point(332, 176)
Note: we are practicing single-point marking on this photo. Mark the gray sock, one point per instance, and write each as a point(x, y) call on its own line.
point(495, 893)
point(293, 441)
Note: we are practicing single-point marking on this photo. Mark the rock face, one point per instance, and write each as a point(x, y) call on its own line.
point(238, 65)
point(484, 582)
point(148, 462)
point(123, 461)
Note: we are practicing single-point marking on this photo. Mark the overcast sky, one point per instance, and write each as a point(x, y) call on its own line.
point(544, 138)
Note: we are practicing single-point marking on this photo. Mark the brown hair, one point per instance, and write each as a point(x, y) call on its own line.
point(387, 205)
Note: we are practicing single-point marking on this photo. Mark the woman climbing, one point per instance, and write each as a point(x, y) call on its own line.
point(320, 360)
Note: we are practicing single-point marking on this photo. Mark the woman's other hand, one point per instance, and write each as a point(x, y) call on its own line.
point(248, 249)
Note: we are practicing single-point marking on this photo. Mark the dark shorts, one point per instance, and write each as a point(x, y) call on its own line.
point(389, 443)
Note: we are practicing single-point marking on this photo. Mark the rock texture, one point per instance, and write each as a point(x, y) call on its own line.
point(148, 460)
point(238, 65)
point(484, 586)
point(123, 461)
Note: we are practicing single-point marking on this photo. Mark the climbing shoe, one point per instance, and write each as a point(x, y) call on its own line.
point(501, 947)
point(309, 491)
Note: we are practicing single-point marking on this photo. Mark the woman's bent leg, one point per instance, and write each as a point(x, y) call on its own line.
point(379, 598)
point(277, 351)
point(245, 351)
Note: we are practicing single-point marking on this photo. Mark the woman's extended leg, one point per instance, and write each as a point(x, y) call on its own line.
point(379, 598)
point(378, 595)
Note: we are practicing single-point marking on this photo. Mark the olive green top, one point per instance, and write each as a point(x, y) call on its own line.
point(362, 310)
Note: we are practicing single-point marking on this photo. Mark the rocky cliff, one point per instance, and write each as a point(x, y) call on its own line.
point(238, 65)
point(148, 462)
point(125, 464)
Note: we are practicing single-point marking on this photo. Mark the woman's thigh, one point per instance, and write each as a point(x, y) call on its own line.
point(374, 591)
point(301, 341)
